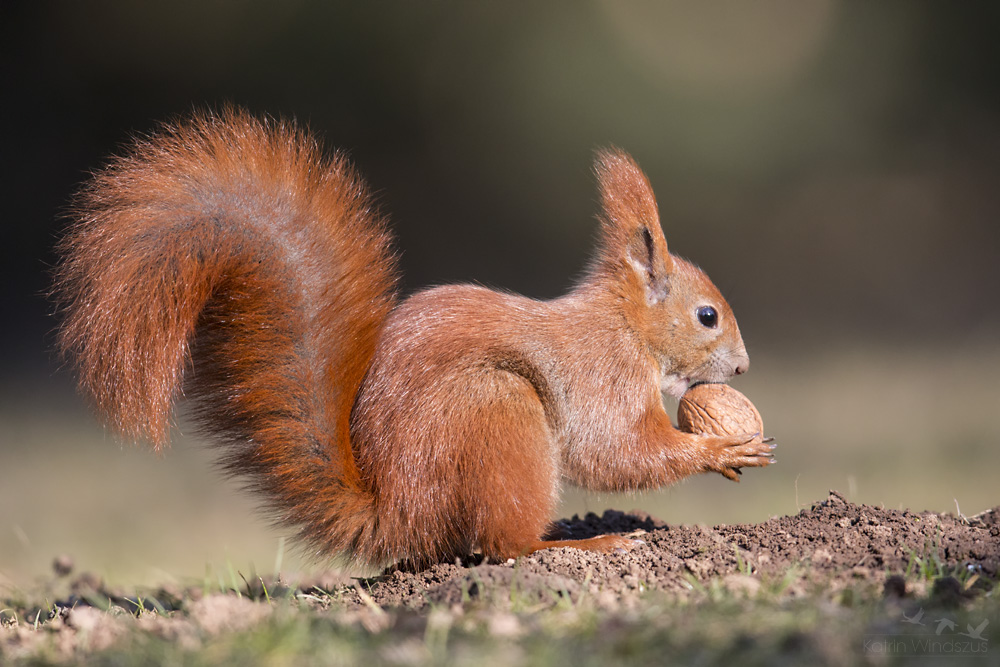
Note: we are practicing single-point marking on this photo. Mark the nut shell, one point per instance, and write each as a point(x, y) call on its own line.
point(717, 409)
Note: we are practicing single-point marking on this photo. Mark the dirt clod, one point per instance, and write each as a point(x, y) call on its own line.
point(63, 565)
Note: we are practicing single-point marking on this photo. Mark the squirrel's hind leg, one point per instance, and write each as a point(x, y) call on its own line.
point(518, 470)
point(523, 484)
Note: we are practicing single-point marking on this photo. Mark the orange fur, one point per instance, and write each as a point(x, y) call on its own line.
point(229, 250)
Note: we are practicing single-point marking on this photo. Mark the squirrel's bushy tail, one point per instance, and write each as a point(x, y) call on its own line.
point(230, 249)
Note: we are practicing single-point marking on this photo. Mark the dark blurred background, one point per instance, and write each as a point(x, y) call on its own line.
point(832, 165)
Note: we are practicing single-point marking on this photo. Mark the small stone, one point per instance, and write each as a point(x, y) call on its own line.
point(895, 587)
point(63, 565)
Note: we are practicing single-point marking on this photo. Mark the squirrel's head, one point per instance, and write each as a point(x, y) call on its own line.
point(687, 326)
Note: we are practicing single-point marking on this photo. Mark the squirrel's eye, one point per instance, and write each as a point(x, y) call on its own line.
point(708, 317)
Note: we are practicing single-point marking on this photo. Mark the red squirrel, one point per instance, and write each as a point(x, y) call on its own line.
point(228, 258)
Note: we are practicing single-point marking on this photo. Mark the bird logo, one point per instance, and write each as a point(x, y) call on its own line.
point(976, 633)
point(943, 623)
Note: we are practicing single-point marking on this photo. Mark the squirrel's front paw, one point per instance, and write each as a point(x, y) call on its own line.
point(730, 453)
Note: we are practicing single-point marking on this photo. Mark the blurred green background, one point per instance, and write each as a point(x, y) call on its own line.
point(832, 165)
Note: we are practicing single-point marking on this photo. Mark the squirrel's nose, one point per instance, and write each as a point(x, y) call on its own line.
point(742, 365)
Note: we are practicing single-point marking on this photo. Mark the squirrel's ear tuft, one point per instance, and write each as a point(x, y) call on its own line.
point(626, 196)
point(630, 222)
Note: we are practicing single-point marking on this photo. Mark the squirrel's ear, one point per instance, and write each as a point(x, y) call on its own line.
point(630, 223)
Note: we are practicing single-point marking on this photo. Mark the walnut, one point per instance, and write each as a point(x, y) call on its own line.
point(718, 409)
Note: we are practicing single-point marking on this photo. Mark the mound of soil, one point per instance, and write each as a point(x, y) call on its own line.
point(833, 546)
